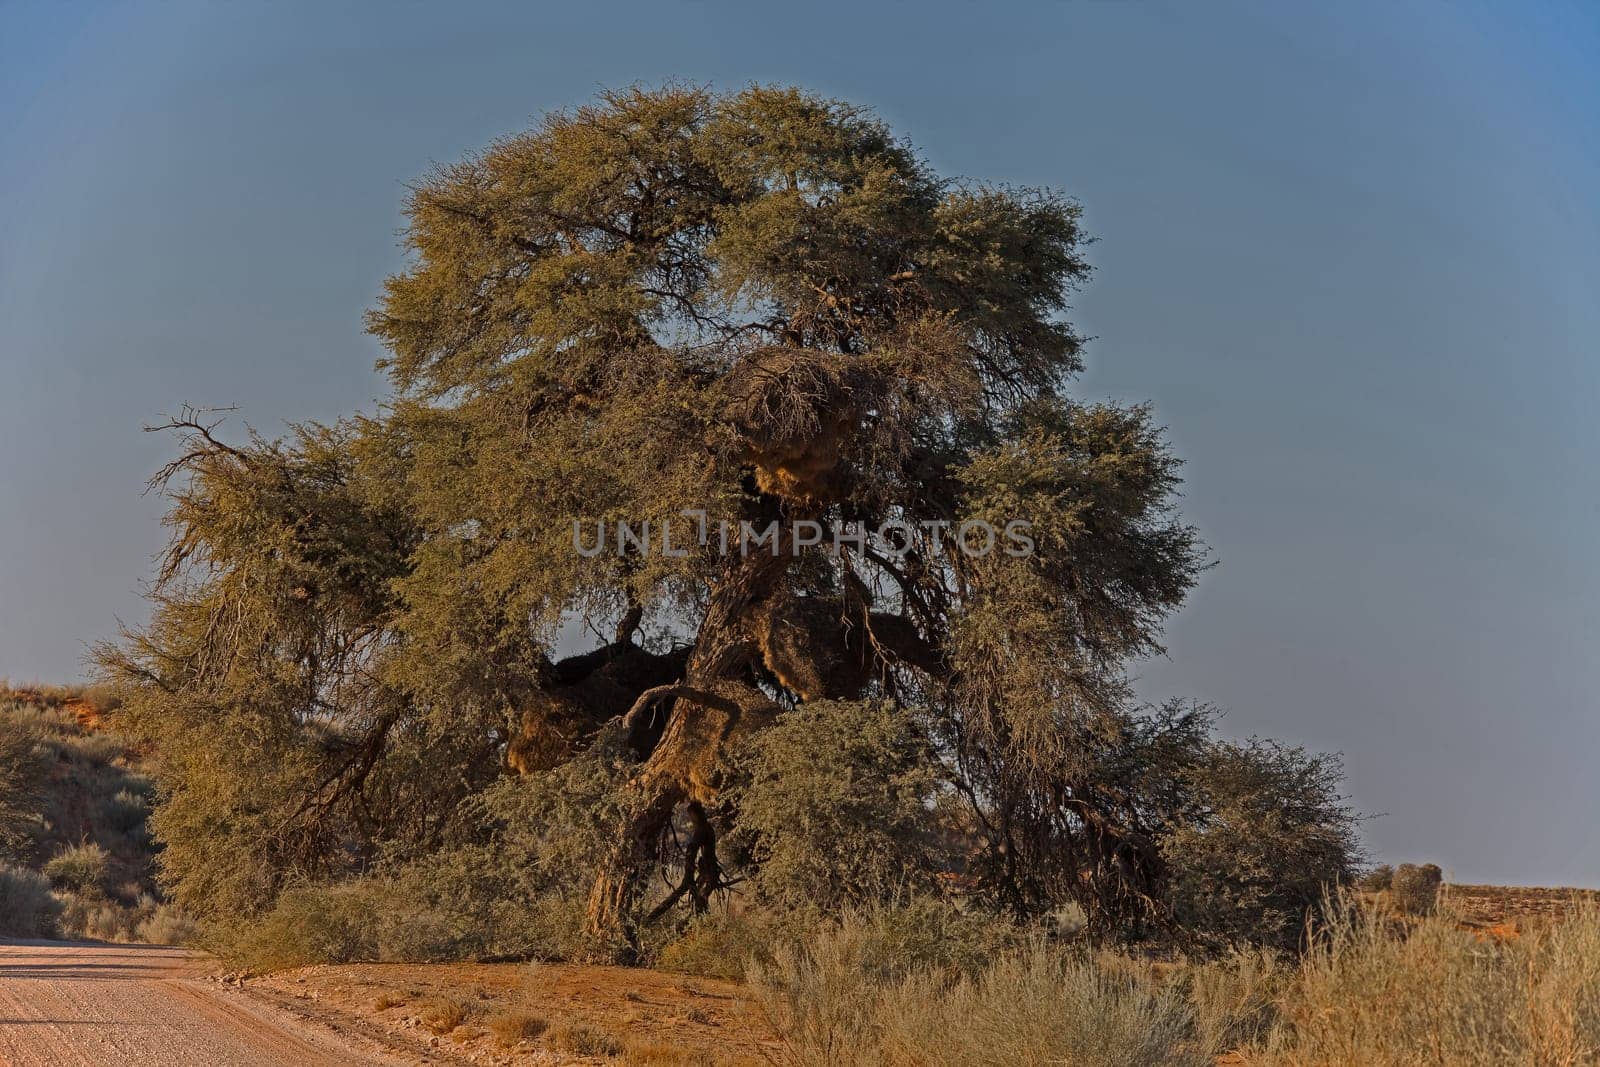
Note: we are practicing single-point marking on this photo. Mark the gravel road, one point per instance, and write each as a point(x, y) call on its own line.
point(96, 1005)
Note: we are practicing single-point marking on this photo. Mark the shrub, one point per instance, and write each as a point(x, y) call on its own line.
point(80, 868)
point(1414, 889)
point(443, 1014)
point(1271, 836)
point(581, 1040)
point(27, 908)
point(310, 925)
point(100, 748)
point(835, 806)
point(721, 944)
point(1037, 1006)
point(106, 922)
point(126, 811)
point(1377, 880)
point(1439, 995)
point(1235, 997)
point(513, 1026)
point(21, 770)
point(168, 926)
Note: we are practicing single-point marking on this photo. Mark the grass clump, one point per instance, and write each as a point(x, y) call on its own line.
point(638, 1052)
point(511, 1027)
point(1435, 994)
point(582, 1040)
point(79, 868)
point(166, 926)
point(1235, 997)
point(441, 1015)
point(836, 1000)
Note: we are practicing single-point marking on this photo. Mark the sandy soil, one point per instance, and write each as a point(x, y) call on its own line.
point(93, 1005)
point(635, 1016)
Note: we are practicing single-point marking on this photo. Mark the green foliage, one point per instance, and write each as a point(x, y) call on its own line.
point(759, 306)
point(517, 892)
point(836, 809)
point(1268, 838)
point(27, 908)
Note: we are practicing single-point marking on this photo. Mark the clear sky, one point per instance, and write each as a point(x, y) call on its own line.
point(1351, 252)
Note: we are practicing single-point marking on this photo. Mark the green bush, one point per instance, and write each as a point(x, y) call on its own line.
point(79, 868)
point(835, 807)
point(309, 925)
point(1267, 837)
point(22, 769)
point(723, 943)
point(27, 908)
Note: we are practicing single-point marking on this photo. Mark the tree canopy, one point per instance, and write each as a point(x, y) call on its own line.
point(692, 311)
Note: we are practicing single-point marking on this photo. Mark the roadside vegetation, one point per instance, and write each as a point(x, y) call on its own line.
point(1372, 988)
point(76, 856)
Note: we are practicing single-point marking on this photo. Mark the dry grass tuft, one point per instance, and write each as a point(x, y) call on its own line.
point(443, 1014)
point(581, 1040)
point(1435, 993)
point(510, 1027)
point(832, 1005)
point(638, 1052)
point(1373, 989)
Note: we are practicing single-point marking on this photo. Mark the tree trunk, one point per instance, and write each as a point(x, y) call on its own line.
point(713, 707)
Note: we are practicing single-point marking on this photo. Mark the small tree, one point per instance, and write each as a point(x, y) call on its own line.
point(1268, 836)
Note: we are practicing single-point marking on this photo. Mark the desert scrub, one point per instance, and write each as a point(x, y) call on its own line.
point(717, 945)
point(1374, 993)
point(125, 811)
point(1415, 890)
point(443, 1014)
point(167, 925)
point(1378, 879)
point(511, 1027)
point(79, 868)
point(832, 1003)
point(27, 909)
point(581, 1040)
point(1234, 998)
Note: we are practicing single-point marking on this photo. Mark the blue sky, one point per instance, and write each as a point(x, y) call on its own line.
point(1351, 253)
